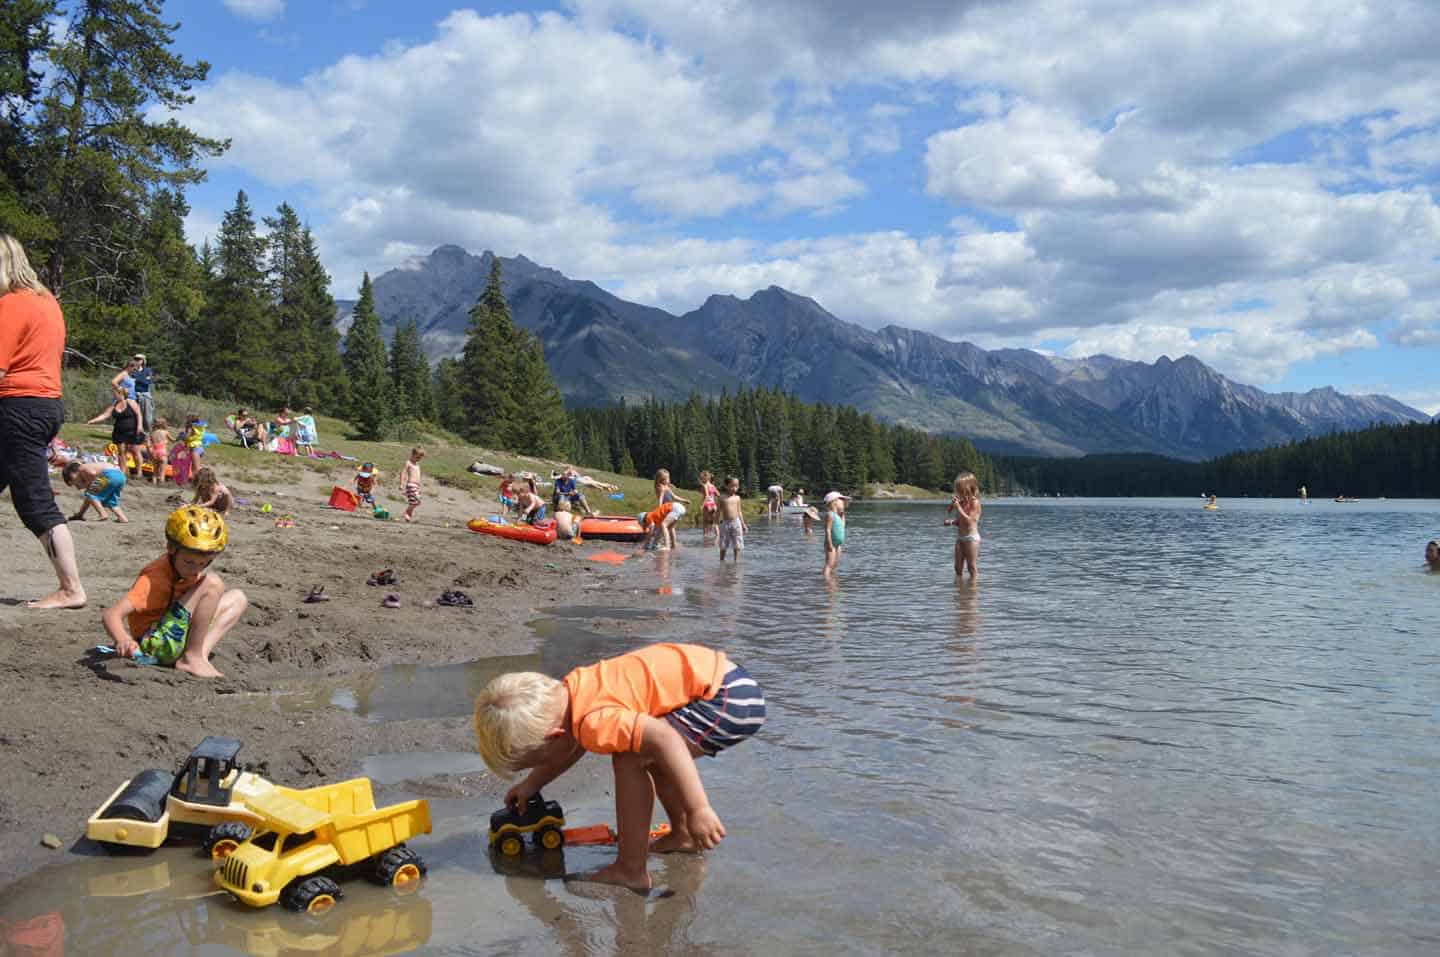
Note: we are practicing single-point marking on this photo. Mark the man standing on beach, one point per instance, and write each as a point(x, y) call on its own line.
point(144, 377)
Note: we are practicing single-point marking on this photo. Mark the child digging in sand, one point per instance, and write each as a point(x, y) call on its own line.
point(178, 610)
point(410, 483)
point(965, 503)
point(655, 711)
point(209, 493)
point(102, 483)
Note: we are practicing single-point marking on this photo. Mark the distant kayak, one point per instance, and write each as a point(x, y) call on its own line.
point(1211, 508)
point(541, 533)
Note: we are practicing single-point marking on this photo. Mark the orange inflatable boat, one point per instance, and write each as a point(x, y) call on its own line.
point(611, 528)
point(541, 533)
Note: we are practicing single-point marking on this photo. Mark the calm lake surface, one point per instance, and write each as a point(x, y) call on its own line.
point(1148, 729)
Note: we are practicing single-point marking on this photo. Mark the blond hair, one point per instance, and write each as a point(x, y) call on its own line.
point(15, 270)
point(513, 713)
point(205, 481)
point(966, 485)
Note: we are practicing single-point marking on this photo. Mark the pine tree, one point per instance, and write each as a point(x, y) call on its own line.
point(326, 381)
point(99, 154)
point(410, 374)
point(234, 353)
point(366, 367)
point(448, 411)
point(543, 427)
point(295, 351)
point(487, 369)
point(25, 40)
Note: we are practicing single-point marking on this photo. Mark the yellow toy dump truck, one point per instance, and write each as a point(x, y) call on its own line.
point(297, 843)
point(206, 800)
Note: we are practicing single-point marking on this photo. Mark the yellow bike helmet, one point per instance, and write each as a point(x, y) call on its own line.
point(196, 528)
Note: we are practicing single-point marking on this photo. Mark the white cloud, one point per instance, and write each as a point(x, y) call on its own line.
point(259, 10)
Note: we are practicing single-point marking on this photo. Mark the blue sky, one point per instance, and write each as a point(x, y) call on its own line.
point(1252, 184)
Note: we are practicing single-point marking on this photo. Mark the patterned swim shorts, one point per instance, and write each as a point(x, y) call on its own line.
point(734, 712)
point(412, 493)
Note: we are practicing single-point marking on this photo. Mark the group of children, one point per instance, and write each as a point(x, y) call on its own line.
point(367, 475)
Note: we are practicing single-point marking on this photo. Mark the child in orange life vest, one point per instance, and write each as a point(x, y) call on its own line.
point(656, 711)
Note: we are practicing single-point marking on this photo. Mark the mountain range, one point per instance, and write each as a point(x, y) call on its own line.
point(602, 348)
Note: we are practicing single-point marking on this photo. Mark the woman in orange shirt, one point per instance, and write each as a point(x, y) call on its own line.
point(32, 345)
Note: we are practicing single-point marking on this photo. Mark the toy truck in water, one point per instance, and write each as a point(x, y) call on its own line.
point(296, 847)
point(208, 799)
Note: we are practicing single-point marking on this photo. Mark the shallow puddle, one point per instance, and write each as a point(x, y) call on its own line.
point(408, 692)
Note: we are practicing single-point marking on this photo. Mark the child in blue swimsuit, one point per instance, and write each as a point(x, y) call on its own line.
point(834, 530)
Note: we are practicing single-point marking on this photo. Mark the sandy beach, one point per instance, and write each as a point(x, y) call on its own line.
point(74, 724)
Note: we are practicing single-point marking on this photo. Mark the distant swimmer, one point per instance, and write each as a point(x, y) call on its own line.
point(1432, 555)
point(1304, 494)
point(1212, 505)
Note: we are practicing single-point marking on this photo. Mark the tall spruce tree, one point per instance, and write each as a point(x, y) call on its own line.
point(296, 351)
point(234, 351)
point(366, 367)
point(487, 368)
point(410, 374)
point(446, 388)
point(543, 427)
point(101, 151)
point(326, 377)
point(25, 39)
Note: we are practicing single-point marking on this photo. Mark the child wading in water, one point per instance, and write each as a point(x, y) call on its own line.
point(665, 495)
point(176, 611)
point(710, 508)
point(656, 711)
point(732, 519)
point(966, 505)
point(102, 483)
point(834, 530)
point(410, 483)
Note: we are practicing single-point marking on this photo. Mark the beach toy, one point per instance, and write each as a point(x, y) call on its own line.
point(592, 834)
point(343, 499)
point(612, 528)
point(381, 512)
point(266, 509)
point(609, 558)
point(618, 496)
point(209, 438)
point(541, 533)
point(539, 817)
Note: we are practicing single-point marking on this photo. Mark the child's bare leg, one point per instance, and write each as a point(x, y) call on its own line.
point(959, 559)
point(679, 839)
point(634, 805)
point(214, 613)
point(119, 515)
point(972, 557)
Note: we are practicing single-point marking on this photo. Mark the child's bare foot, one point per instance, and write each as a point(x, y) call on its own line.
point(122, 521)
point(59, 599)
point(200, 669)
point(674, 843)
point(614, 874)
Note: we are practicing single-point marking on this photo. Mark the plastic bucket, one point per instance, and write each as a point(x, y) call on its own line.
point(343, 499)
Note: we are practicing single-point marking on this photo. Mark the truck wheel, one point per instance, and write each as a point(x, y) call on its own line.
point(512, 845)
point(314, 895)
point(551, 838)
point(223, 838)
point(400, 868)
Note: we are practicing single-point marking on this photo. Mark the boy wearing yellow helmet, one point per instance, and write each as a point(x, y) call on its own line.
point(177, 611)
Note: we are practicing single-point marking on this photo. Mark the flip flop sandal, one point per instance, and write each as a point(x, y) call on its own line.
point(455, 599)
point(391, 601)
point(317, 594)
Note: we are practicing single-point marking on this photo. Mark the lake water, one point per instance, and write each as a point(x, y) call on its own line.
point(1148, 729)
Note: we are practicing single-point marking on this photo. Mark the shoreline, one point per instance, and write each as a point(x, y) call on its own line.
point(76, 725)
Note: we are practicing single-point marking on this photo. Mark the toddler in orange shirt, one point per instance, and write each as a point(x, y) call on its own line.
point(654, 711)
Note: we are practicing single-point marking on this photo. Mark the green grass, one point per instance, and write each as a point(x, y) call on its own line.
point(447, 457)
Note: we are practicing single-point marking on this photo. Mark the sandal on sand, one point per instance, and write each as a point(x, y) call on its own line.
point(317, 593)
point(391, 601)
point(456, 599)
point(386, 577)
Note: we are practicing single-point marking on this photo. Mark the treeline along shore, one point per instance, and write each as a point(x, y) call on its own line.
point(1393, 461)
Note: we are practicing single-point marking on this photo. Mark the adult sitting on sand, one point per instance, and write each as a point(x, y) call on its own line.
point(32, 345)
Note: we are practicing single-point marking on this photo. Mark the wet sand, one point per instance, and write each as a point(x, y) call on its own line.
point(73, 725)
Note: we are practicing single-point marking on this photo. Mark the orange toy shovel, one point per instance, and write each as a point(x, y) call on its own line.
point(605, 834)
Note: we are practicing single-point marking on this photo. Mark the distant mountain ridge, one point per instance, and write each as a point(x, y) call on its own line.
point(602, 348)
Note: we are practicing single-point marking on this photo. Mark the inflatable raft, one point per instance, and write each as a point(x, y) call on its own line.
point(611, 528)
point(541, 533)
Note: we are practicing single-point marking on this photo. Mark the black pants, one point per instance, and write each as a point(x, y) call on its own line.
point(27, 425)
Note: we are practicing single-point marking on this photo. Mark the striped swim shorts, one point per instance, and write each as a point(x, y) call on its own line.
point(732, 714)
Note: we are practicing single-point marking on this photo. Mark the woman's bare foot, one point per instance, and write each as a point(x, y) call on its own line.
point(200, 669)
point(673, 843)
point(59, 599)
point(614, 874)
